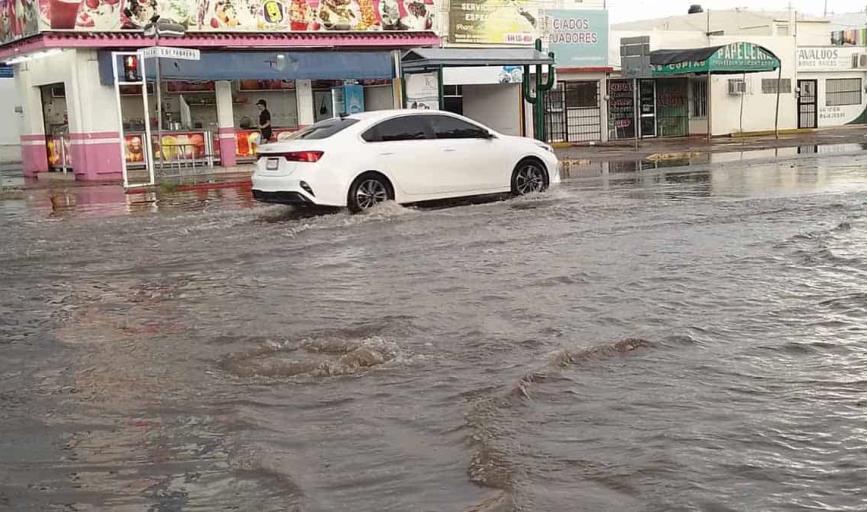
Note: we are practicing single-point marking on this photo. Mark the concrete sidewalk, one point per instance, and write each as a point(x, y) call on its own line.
point(650, 149)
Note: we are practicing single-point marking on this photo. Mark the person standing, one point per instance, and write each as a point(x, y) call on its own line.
point(264, 121)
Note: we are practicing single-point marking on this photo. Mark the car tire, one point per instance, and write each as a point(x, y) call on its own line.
point(368, 190)
point(529, 176)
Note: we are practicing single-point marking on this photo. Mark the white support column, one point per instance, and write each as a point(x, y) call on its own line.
point(226, 123)
point(304, 97)
point(603, 118)
point(93, 120)
point(31, 128)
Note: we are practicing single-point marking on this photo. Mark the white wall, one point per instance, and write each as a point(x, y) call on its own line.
point(283, 106)
point(380, 97)
point(10, 148)
point(497, 106)
point(758, 108)
point(836, 115)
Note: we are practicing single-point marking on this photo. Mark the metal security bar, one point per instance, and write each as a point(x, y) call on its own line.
point(574, 113)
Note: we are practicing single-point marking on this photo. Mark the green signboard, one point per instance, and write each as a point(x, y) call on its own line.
point(732, 58)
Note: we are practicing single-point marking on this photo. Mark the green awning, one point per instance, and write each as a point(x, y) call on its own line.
point(727, 59)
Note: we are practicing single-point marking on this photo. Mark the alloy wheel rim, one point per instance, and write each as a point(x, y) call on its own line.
point(369, 193)
point(529, 179)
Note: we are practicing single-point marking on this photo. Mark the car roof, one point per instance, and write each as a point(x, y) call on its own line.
point(376, 115)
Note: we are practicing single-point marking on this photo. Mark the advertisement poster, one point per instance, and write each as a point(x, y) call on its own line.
point(267, 85)
point(353, 98)
point(247, 141)
point(18, 19)
point(578, 38)
point(177, 87)
point(422, 91)
point(621, 109)
point(493, 22)
point(58, 152)
point(231, 15)
point(133, 150)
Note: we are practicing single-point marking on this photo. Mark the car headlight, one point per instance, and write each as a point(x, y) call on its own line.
point(544, 146)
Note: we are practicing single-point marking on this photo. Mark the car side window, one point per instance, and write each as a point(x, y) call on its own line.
point(447, 127)
point(399, 128)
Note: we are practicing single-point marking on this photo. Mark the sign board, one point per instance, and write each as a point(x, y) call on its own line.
point(635, 57)
point(493, 22)
point(621, 109)
point(23, 18)
point(483, 75)
point(167, 52)
point(824, 58)
point(422, 91)
point(578, 38)
point(732, 58)
point(353, 98)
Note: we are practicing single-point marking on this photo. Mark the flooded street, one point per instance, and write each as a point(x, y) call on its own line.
point(682, 339)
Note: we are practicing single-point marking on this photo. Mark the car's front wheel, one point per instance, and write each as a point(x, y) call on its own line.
point(367, 191)
point(528, 177)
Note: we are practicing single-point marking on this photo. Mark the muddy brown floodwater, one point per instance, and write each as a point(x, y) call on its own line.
point(686, 339)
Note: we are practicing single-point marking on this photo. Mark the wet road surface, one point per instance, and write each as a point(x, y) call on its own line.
point(679, 339)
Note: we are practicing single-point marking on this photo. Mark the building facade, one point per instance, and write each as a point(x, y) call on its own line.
point(297, 55)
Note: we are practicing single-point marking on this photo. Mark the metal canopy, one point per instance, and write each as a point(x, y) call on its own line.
point(271, 65)
point(735, 58)
point(424, 59)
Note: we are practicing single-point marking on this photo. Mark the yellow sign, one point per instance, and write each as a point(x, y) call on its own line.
point(493, 22)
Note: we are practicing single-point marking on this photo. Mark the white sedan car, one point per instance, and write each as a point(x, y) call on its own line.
point(408, 156)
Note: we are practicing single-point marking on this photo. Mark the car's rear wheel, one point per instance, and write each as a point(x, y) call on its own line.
point(528, 177)
point(367, 191)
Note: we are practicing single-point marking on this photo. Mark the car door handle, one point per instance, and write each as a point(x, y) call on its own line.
point(449, 150)
point(387, 154)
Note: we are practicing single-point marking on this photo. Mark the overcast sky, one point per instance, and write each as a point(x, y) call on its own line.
point(628, 10)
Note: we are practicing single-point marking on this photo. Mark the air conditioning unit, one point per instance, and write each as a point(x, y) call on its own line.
point(859, 61)
point(737, 86)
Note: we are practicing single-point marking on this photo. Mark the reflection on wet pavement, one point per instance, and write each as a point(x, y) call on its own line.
point(685, 338)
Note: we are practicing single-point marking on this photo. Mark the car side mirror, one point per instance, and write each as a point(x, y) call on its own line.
point(489, 135)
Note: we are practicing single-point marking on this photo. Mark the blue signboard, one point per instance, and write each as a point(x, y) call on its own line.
point(578, 38)
point(5, 71)
point(353, 98)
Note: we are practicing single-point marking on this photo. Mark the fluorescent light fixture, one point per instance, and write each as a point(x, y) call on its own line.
point(33, 56)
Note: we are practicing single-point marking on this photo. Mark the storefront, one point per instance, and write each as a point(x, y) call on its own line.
point(576, 107)
point(692, 91)
point(831, 86)
point(483, 84)
point(299, 58)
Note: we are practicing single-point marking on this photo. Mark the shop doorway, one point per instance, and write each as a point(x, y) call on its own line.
point(55, 120)
point(807, 104)
point(573, 112)
point(647, 108)
point(672, 117)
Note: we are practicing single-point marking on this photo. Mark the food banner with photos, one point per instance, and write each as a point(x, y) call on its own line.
point(247, 141)
point(57, 149)
point(20, 18)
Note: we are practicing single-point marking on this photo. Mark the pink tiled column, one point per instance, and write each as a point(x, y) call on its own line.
point(96, 156)
point(226, 137)
point(34, 155)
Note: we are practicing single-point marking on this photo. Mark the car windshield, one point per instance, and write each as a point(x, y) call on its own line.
point(323, 129)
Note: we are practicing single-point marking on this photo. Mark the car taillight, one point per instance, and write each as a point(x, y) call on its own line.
point(295, 156)
point(303, 156)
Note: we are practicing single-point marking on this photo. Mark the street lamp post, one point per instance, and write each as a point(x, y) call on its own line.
point(162, 27)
